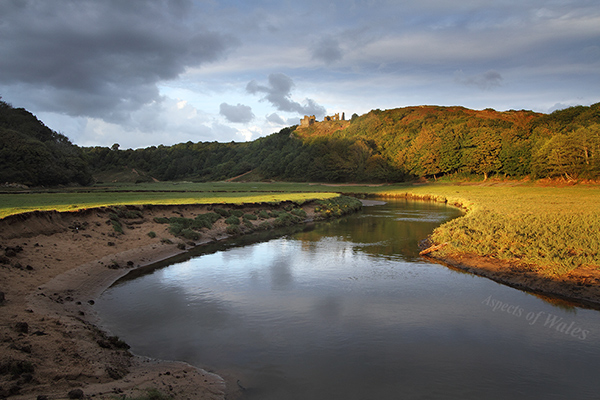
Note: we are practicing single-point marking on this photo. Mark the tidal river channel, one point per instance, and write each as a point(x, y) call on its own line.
point(347, 309)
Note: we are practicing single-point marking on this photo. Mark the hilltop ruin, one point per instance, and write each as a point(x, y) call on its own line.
point(310, 120)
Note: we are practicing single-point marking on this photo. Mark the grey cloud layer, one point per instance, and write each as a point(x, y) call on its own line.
point(485, 81)
point(327, 50)
point(100, 58)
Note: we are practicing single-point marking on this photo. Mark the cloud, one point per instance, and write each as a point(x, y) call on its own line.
point(278, 93)
point(167, 122)
point(275, 119)
point(239, 113)
point(560, 106)
point(101, 59)
point(327, 50)
point(486, 81)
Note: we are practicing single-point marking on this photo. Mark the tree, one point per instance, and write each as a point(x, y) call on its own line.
point(482, 156)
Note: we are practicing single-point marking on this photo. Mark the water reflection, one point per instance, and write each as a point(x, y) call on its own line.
point(347, 310)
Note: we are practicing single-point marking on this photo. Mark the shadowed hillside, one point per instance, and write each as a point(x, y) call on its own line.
point(33, 154)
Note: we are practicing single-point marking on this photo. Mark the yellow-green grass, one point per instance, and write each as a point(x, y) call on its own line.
point(70, 199)
point(287, 187)
point(556, 229)
point(16, 203)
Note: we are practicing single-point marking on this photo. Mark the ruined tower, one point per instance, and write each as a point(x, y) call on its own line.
point(307, 121)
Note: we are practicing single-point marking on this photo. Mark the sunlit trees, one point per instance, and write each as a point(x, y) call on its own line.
point(571, 155)
point(482, 151)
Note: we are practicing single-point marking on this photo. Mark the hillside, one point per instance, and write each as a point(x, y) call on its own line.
point(33, 154)
point(432, 141)
point(390, 146)
point(380, 146)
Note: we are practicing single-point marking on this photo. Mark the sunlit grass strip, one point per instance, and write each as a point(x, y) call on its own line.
point(20, 203)
point(286, 187)
point(555, 229)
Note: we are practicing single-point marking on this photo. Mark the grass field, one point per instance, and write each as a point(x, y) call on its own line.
point(554, 228)
point(160, 193)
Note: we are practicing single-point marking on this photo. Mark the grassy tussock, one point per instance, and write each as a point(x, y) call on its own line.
point(338, 206)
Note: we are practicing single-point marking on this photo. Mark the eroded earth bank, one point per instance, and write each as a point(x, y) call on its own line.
point(54, 265)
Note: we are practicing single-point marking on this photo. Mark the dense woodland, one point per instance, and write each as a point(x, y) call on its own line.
point(380, 146)
point(33, 154)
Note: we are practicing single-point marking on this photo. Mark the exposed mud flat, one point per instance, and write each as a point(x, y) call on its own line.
point(52, 268)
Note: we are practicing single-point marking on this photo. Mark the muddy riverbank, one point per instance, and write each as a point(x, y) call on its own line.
point(52, 268)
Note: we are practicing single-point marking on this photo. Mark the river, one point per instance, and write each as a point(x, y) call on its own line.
point(347, 309)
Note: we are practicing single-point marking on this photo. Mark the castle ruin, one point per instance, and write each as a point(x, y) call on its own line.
point(308, 121)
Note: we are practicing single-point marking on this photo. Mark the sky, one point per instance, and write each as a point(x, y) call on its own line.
point(149, 72)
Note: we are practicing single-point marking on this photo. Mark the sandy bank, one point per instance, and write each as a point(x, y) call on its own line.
point(53, 267)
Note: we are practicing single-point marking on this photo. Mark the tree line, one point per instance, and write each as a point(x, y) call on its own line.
point(380, 146)
point(280, 156)
point(33, 154)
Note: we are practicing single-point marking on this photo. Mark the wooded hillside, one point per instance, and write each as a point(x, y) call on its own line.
point(433, 141)
point(33, 154)
point(380, 146)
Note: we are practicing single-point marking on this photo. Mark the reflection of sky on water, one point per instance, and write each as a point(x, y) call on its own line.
point(411, 216)
point(320, 309)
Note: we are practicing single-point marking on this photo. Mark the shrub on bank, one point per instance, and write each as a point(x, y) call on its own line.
point(263, 214)
point(237, 213)
point(222, 212)
point(232, 220)
point(233, 230)
point(338, 206)
point(299, 212)
point(207, 220)
point(190, 234)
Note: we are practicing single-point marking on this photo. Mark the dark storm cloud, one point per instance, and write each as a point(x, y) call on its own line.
point(485, 81)
point(100, 58)
point(278, 93)
point(327, 50)
point(239, 113)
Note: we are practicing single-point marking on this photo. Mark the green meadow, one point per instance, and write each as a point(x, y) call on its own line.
point(554, 229)
point(155, 193)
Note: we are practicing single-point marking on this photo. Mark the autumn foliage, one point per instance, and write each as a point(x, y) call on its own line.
point(381, 146)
